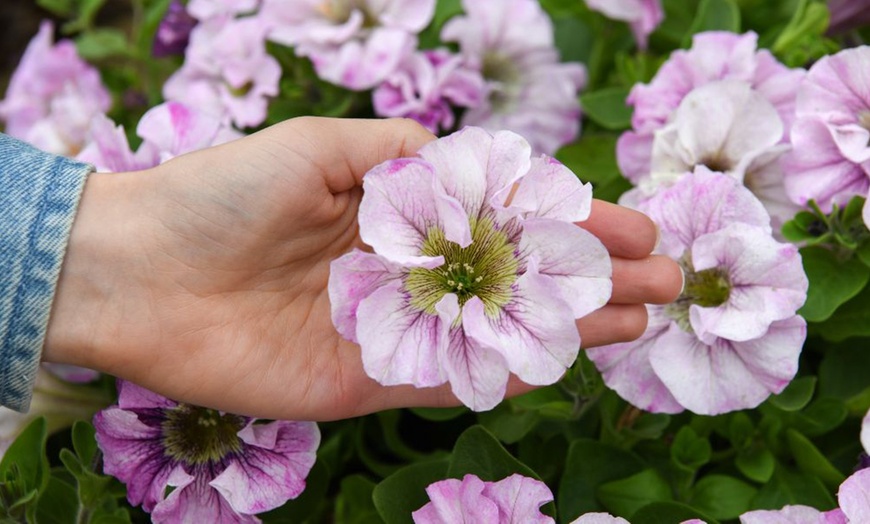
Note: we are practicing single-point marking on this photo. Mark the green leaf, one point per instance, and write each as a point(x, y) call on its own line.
point(507, 423)
point(788, 487)
point(722, 497)
point(27, 453)
point(740, 430)
point(62, 8)
point(690, 451)
point(477, 451)
point(714, 15)
point(354, 504)
point(812, 461)
point(757, 463)
point(58, 503)
point(593, 159)
point(607, 108)
point(832, 282)
point(625, 496)
point(103, 43)
point(796, 395)
point(668, 513)
point(308, 503)
point(404, 492)
point(843, 371)
point(852, 319)
point(574, 38)
point(440, 414)
point(590, 464)
point(820, 417)
point(84, 441)
point(802, 38)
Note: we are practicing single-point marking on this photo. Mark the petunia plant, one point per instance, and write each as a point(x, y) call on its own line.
point(741, 127)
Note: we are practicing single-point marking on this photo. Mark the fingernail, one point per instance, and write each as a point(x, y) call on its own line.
point(683, 285)
point(658, 238)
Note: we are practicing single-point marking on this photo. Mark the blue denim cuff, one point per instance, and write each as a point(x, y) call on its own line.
point(39, 196)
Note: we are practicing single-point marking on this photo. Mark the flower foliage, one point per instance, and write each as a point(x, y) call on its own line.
point(741, 128)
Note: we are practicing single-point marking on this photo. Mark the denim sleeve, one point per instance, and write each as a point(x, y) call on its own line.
point(39, 196)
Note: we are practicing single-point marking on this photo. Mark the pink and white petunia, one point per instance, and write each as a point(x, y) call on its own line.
point(831, 159)
point(223, 468)
point(733, 336)
point(796, 514)
point(227, 71)
point(713, 56)
point(466, 286)
point(53, 95)
point(643, 16)
point(207, 9)
point(528, 90)
point(854, 496)
point(352, 43)
point(425, 88)
point(512, 500)
point(599, 518)
point(730, 128)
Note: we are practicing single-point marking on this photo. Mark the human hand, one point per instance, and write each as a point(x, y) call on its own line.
point(204, 279)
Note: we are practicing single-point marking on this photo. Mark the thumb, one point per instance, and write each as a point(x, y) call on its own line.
point(343, 149)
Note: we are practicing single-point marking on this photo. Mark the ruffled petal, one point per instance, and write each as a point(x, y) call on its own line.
point(193, 500)
point(519, 499)
point(352, 278)
point(788, 515)
point(854, 496)
point(551, 190)
point(454, 500)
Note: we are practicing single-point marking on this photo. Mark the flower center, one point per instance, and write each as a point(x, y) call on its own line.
point(339, 11)
point(705, 288)
point(504, 78)
point(715, 162)
point(487, 269)
point(864, 119)
point(195, 435)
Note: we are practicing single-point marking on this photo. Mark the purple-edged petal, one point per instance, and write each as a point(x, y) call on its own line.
point(395, 219)
point(132, 396)
point(634, 155)
point(400, 344)
point(788, 515)
point(598, 518)
point(767, 281)
point(519, 499)
point(478, 374)
point(193, 500)
point(865, 433)
point(454, 500)
point(551, 190)
point(727, 376)
point(626, 369)
point(352, 278)
point(574, 258)
point(854, 496)
point(535, 332)
point(266, 476)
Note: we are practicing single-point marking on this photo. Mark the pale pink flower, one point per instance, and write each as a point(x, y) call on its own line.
point(53, 95)
point(223, 468)
point(865, 433)
point(227, 71)
point(599, 518)
point(831, 159)
point(854, 497)
point(733, 336)
point(643, 16)
point(796, 514)
point(206, 9)
point(528, 90)
point(461, 287)
point(352, 43)
point(727, 127)
point(425, 88)
point(713, 56)
point(512, 500)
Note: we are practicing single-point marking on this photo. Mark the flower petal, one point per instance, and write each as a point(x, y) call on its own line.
point(574, 258)
point(519, 499)
point(454, 500)
point(193, 500)
point(352, 278)
point(551, 190)
point(787, 515)
point(854, 496)
point(400, 344)
point(535, 332)
point(598, 518)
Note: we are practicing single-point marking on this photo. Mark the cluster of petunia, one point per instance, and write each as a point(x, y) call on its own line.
point(727, 142)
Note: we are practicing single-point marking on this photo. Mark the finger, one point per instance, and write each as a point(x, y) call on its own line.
point(655, 279)
point(611, 324)
point(343, 150)
point(626, 233)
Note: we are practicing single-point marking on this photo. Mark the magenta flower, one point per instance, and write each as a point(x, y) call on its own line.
point(227, 71)
point(713, 56)
point(424, 87)
point(53, 95)
point(512, 500)
point(184, 463)
point(730, 128)
point(528, 90)
point(173, 33)
point(848, 14)
point(352, 43)
point(733, 336)
point(463, 287)
point(643, 16)
point(831, 159)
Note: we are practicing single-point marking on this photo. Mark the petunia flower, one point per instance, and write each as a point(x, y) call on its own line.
point(795, 514)
point(463, 286)
point(53, 95)
point(831, 159)
point(173, 33)
point(206, 9)
point(528, 90)
point(426, 86)
point(727, 127)
point(643, 16)
point(352, 43)
point(512, 500)
point(227, 71)
point(599, 518)
point(184, 463)
point(713, 56)
point(733, 336)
